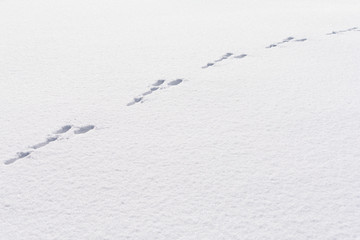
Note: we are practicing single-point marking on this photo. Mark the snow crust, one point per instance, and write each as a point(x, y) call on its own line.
point(179, 119)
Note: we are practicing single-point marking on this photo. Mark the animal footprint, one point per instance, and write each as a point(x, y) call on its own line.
point(63, 129)
point(84, 129)
point(343, 31)
point(19, 156)
point(271, 46)
point(240, 56)
point(155, 86)
point(42, 144)
point(282, 42)
point(159, 84)
point(135, 100)
point(224, 57)
point(147, 93)
point(175, 82)
point(208, 65)
point(50, 139)
point(286, 40)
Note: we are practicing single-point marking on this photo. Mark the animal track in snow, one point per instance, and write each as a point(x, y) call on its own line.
point(175, 82)
point(286, 40)
point(52, 138)
point(240, 56)
point(42, 144)
point(147, 93)
point(225, 56)
point(135, 100)
point(343, 31)
point(158, 82)
point(208, 65)
point(63, 129)
point(282, 42)
point(154, 87)
point(84, 129)
point(19, 156)
point(228, 55)
point(158, 85)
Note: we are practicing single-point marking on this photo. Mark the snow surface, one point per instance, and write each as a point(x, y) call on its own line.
point(218, 119)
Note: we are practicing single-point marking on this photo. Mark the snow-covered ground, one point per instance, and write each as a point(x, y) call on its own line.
point(144, 119)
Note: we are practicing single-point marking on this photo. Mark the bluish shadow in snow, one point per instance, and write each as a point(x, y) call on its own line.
point(208, 65)
point(228, 55)
point(84, 129)
point(343, 31)
point(175, 82)
point(240, 56)
point(138, 99)
point(158, 82)
point(271, 46)
point(147, 93)
point(42, 144)
point(135, 100)
point(156, 86)
point(225, 56)
point(63, 129)
point(19, 156)
point(286, 40)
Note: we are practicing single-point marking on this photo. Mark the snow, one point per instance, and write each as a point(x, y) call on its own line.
point(113, 124)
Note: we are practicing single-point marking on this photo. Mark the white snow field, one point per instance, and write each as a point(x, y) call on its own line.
point(164, 119)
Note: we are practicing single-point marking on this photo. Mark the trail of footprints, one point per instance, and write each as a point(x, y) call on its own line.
point(158, 85)
point(343, 31)
point(161, 84)
point(230, 55)
point(226, 56)
point(56, 136)
point(286, 40)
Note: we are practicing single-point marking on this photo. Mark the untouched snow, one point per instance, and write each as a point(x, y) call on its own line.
point(179, 119)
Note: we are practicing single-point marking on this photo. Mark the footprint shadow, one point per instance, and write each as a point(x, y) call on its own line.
point(63, 129)
point(19, 156)
point(286, 40)
point(158, 85)
point(84, 129)
point(344, 31)
point(226, 56)
point(58, 133)
point(43, 144)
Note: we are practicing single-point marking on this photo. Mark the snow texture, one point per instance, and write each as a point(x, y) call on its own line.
point(185, 119)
